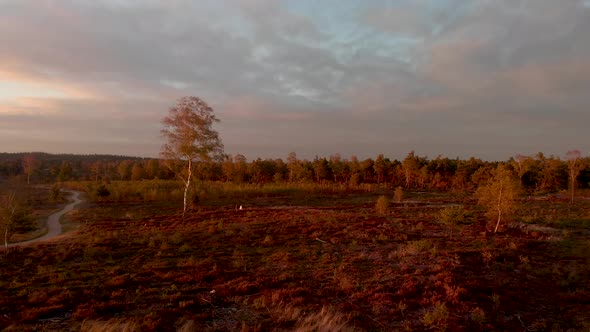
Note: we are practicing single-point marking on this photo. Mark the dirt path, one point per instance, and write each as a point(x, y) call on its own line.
point(53, 225)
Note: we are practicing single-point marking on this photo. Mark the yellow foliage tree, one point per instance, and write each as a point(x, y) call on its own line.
point(575, 165)
point(190, 138)
point(498, 195)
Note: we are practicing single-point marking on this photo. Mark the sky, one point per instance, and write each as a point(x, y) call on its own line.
point(458, 78)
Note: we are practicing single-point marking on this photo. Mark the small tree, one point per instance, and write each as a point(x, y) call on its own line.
point(382, 205)
point(454, 216)
point(498, 194)
point(522, 165)
point(189, 138)
point(575, 165)
point(137, 172)
point(55, 193)
point(14, 217)
point(29, 164)
point(124, 169)
point(398, 195)
point(152, 169)
point(410, 166)
point(65, 171)
point(96, 169)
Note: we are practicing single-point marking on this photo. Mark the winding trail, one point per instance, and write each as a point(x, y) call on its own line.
point(53, 225)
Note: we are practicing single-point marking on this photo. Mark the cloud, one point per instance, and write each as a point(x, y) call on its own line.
point(484, 78)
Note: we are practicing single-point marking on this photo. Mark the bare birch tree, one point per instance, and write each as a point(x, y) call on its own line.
point(14, 216)
point(29, 164)
point(190, 138)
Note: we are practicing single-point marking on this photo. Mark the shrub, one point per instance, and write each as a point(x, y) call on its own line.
point(398, 196)
point(382, 205)
point(55, 193)
point(456, 215)
point(415, 248)
point(453, 216)
point(102, 191)
point(419, 246)
point(437, 317)
point(184, 248)
point(478, 316)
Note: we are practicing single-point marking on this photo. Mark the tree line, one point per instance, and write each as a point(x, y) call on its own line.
point(535, 173)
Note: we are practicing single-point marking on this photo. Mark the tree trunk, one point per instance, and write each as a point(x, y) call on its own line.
point(187, 184)
point(573, 189)
point(11, 205)
point(499, 209)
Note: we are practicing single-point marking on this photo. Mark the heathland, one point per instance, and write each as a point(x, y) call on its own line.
point(330, 245)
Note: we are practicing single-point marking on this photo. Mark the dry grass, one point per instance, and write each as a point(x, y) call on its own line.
point(188, 326)
point(112, 325)
point(327, 319)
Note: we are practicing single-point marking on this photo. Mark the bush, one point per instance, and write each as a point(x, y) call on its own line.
point(55, 193)
point(102, 191)
point(398, 196)
point(478, 316)
point(416, 247)
point(437, 317)
point(382, 205)
point(455, 215)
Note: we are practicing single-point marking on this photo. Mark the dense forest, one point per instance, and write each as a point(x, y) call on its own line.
point(536, 173)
